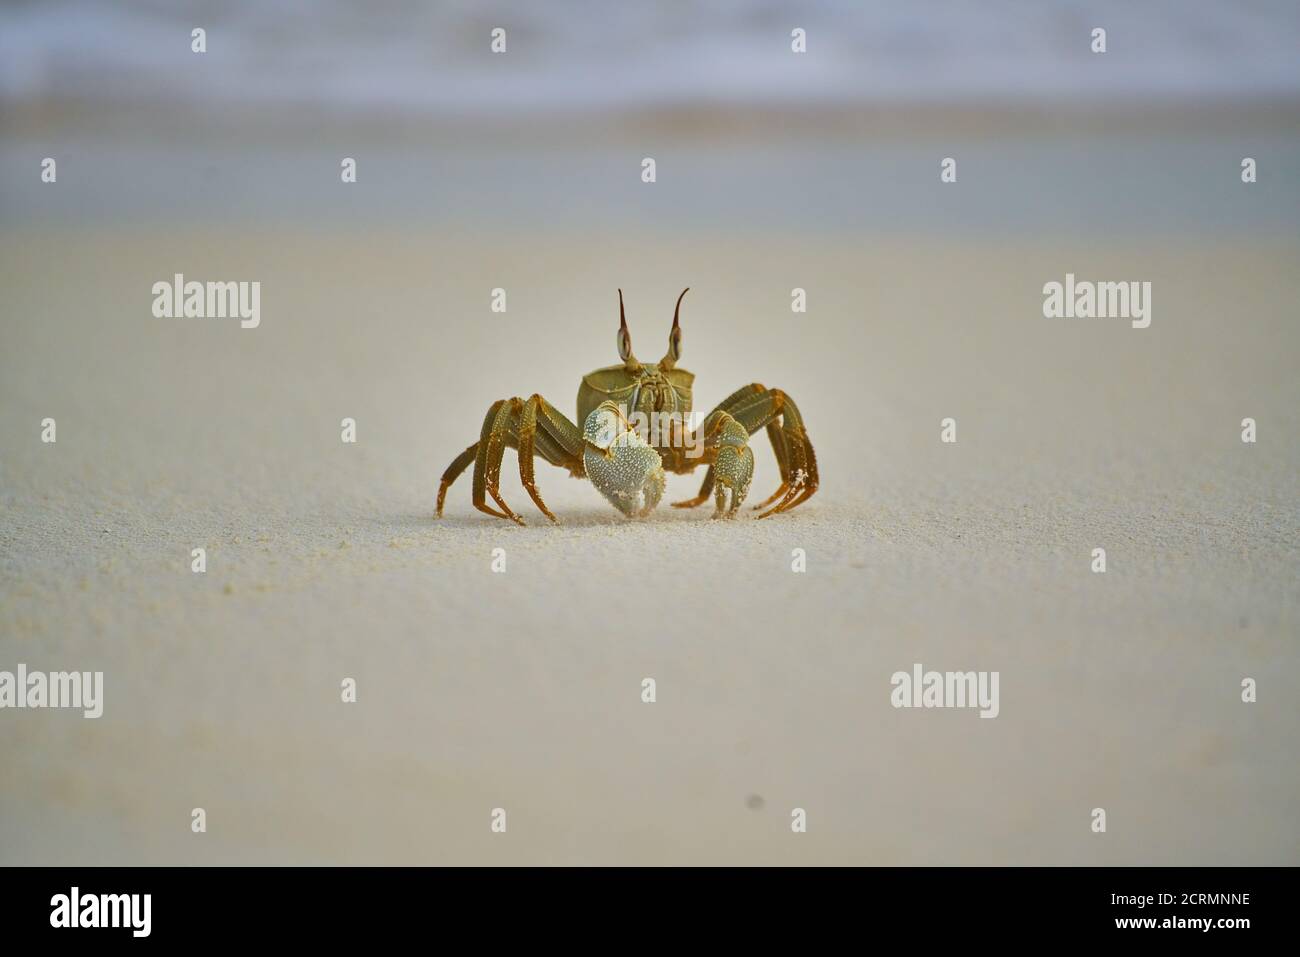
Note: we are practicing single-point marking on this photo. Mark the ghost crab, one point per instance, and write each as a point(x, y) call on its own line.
point(624, 467)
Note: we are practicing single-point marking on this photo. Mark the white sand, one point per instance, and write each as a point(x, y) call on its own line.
point(522, 690)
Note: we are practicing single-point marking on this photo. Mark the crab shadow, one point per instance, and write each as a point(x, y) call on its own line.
point(408, 523)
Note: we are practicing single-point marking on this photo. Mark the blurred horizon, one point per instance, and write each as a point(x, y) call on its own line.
point(574, 56)
point(842, 139)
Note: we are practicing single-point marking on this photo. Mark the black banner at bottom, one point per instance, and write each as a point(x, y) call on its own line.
point(373, 905)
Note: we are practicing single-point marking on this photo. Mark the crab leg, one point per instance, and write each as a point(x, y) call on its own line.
point(790, 443)
point(527, 430)
point(487, 467)
point(756, 407)
point(533, 427)
point(561, 444)
point(706, 489)
point(781, 449)
point(458, 465)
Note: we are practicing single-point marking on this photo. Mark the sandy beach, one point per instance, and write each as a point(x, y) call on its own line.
point(522, 690)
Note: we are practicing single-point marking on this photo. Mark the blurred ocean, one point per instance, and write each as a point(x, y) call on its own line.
point(1050, 137)
point(419, 56)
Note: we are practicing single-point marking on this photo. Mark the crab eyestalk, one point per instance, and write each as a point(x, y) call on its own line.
point(625, 337)
point(674, 336)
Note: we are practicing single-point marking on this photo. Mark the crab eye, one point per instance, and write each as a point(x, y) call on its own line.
point(624, 337)
point(675, 335)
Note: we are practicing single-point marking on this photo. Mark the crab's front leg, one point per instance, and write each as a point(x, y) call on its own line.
point(727, 442)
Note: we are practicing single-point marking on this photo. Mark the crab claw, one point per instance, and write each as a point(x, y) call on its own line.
point(734, 466)
point(622, 466)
